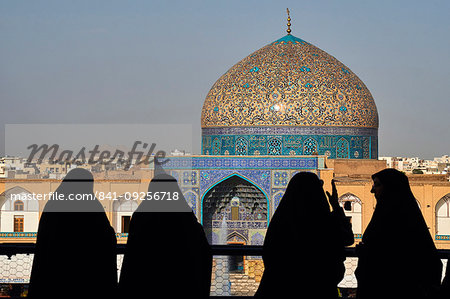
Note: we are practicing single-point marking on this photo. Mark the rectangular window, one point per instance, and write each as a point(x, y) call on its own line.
point(18, 205)
point(18, 224)
point(234, 213)
point(126, 224)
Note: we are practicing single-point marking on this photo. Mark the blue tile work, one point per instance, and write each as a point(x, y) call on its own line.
point(257, 239)
point(191, 196)
point(334, 142)
point(235, 163)
point(258, 177)
point(289, 38)
point(278, 195)
point(189, 178)
point(332, 146)
point(197, 174)
point(280, 178)
point(290, 130)
point(18, 234)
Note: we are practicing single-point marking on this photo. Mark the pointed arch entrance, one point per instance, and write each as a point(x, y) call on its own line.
point(233, 206)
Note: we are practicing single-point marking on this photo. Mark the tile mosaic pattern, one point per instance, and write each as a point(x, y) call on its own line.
point(325, 142)
point(289, 83)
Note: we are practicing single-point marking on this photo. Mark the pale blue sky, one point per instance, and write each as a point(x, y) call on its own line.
point(149, 62)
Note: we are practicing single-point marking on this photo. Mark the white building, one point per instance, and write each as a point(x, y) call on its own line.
point(18, 212)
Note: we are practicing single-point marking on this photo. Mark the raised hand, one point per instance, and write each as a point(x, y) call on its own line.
point(333, 197)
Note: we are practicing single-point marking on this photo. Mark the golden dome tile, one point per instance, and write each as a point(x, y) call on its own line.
point(289, 83)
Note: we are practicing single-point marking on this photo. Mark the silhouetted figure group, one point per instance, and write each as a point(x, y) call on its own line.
point(168, 255)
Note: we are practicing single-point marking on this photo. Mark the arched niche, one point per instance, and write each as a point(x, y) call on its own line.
point(443, 216)
point(19, 210)
point(233, 202)
point(123, 209)
point(353, 208)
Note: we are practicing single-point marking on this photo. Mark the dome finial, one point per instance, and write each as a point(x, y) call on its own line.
point(289, 22)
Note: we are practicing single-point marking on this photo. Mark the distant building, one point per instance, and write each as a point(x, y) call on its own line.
point(177, 153)
point(416, 165)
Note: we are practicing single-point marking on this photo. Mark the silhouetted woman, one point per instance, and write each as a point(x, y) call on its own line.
point(397, 256)
point(167, 254)
point(303, 249)
point(75, 253)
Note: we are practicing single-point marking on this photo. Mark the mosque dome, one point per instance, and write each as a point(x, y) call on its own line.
point(290, 98)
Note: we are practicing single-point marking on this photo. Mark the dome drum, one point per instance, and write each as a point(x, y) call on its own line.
point(333, 142)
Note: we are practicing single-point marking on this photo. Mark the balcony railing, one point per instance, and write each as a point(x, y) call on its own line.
point(6, 235)
point(237, 269)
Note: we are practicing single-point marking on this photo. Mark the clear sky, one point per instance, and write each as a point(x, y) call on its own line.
point(153, 62)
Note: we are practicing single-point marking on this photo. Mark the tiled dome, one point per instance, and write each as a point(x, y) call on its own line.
point(289, 88)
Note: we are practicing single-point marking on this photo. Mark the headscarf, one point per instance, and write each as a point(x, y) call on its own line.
point(396, 209)
point(164, 195)
point(75, 194)
point(305, 192)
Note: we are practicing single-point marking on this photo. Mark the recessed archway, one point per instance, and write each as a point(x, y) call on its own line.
point(353, 209)
point(234, 199)
point(123, 209)
point(19, 211)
